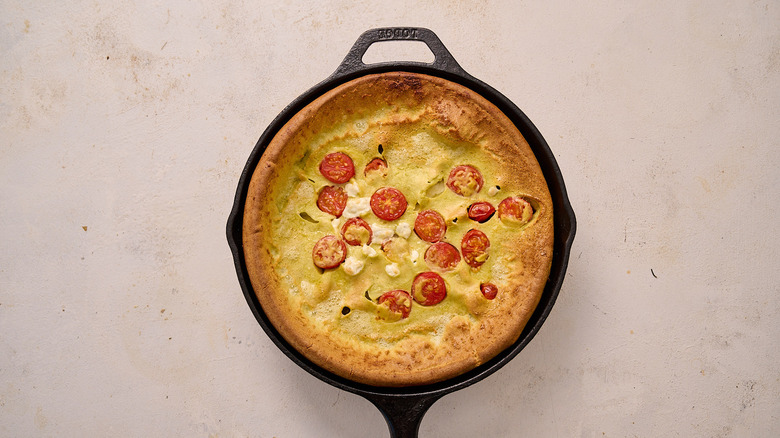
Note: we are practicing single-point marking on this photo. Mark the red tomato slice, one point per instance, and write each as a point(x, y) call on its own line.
point(357, 232)
point(332, 199)
point(474, 247)
point(430, 226)
point(378, 165)
point(396, 249)
point(388, 203)
point(329, 252)
point(515, 209)
point(398, 301)
point(465, 180)
point(489, 290)
point(337, 167)
point(442, 256)
point(428, 288)
point(481, 211)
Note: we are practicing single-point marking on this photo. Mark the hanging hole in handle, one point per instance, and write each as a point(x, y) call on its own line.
point(395, 50)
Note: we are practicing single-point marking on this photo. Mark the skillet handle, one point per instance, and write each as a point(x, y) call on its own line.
point(443, 60)
point(403, 413)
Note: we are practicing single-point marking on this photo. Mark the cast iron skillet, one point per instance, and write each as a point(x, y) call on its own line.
point(403, 408)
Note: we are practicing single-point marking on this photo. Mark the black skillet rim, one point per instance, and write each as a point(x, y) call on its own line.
point(445, 68)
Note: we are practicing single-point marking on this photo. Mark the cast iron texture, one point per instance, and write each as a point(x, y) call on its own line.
point(404, 408)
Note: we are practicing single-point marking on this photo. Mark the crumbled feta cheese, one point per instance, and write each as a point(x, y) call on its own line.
point(335, 224)
point(492, 190)
point(381, 233)
point(392, 269)
point(404, 230)
point(357, 207)
point(352, 188)
point(413, 255)
point(368, 251)
point(352, 265)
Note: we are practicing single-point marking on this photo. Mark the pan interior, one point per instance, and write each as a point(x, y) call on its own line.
point(563, 227)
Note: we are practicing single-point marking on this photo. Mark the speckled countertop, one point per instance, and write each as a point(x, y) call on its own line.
point(124, 127)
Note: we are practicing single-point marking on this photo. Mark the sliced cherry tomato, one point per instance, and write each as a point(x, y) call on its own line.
point(430, 226)
point(474, 247)
point(332, 199)
point(428, 288)
point(465, 180)
point(337, 167)
point(396, 249)
point(442, 256)
point(329, 252)
point(398, 301)
point(388, 203)
point(356, 232)
point(377, 166)
point(489, 290)
point(515, 209)
point(481, 211)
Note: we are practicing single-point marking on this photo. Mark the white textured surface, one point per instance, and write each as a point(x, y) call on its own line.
point(124, 127)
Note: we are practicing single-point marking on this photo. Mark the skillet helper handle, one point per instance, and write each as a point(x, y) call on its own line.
point(404, 413)
point(443, 60)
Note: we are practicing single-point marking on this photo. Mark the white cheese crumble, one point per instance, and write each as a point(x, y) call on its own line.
point(392, 269)
point(352, 265)
point(413, 255)
point(352, 188)
point(335, 224)
point(492, 191)
point(368, 251)
point(381, 233)
point(357, 207)
point(404, 230)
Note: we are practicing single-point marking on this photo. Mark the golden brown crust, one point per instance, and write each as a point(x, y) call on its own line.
point(396, 109)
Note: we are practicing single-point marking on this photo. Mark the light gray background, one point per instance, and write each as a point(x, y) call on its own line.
point(124, 127)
